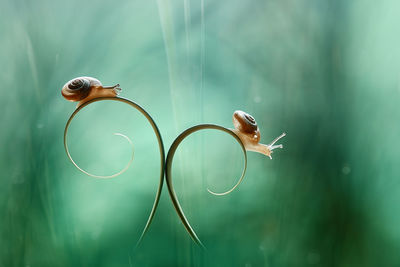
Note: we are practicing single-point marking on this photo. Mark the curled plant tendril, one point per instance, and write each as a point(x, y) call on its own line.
point(168, 168)
point(246, 133)
point(88, 90)
point(88, 173)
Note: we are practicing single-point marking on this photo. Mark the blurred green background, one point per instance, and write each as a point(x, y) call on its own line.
point(325, 72)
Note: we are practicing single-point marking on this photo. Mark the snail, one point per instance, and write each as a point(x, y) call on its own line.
point(87, 90)
point(245, 132)
point(83, 89)
point(246, 129)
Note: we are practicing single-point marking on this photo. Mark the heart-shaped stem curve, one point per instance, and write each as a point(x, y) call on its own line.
point(160, 144)
point(168, 167)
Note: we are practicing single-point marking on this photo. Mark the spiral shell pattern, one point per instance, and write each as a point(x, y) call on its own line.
point(76, 89)
point(244, 122)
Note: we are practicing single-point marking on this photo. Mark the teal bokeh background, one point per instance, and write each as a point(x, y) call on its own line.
point(325, 72)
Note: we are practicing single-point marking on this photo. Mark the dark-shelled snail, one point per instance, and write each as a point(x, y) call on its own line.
point(83, 89)
point(246, 133)
point(88, 90)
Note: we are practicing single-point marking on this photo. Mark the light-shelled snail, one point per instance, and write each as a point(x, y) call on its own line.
point(247, 130)
point(84, 89)
point(87, 90)
point(246, 133)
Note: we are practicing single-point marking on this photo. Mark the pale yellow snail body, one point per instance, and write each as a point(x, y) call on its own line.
point(247, 130)
point(83, 89)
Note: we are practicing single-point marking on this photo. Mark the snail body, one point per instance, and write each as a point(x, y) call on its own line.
point(247, 130)
point(83, 89)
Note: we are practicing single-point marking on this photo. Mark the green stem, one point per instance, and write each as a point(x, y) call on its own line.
point(160, 144)
point(168, 167)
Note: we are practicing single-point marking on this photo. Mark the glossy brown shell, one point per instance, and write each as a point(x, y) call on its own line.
point(244, 122)
point(79, 88)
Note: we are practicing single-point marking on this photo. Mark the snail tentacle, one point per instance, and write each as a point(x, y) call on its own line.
point(159, 140)
point(271, 146)
point(277, 139)
point(168, 174)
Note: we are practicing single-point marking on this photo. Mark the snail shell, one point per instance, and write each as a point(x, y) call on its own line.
point(247, 125)
point(79, 88)
point(83, 89)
